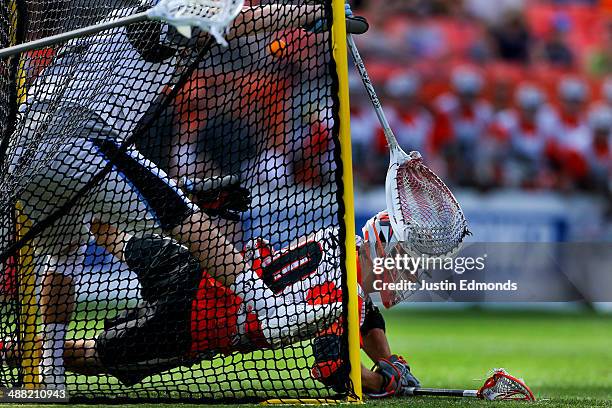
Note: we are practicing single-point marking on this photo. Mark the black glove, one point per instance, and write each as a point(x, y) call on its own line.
point(329, 367)
point(219, 196)
point(408, 380)
point(357, 25)
point(354, 24)
point(396, 377)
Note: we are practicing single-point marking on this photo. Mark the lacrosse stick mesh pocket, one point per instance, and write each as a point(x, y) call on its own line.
point(503, 386)
point(434, 222)
point(214, 16)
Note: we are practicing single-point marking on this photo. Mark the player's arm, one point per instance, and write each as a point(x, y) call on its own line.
point(274, 17)
point(391, 373)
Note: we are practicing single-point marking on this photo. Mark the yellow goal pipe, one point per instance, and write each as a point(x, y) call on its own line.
point(26, 272)
point(341, 59)
point(28, 322)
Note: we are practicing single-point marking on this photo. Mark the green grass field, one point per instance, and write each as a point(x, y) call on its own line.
point(566, 359)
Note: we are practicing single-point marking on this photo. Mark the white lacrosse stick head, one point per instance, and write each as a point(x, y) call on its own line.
point(423, 211)
point(502, 386)
point(212, 16)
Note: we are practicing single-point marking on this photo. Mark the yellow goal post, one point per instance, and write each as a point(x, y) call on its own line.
point(26, 272)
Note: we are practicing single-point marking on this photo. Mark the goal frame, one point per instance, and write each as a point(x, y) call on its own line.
point(27, 320)
point(25, 265)
point(340, 52)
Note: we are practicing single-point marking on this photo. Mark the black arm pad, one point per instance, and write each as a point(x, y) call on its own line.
point(373, 319)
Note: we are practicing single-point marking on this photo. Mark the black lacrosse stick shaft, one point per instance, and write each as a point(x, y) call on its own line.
point(443, 392)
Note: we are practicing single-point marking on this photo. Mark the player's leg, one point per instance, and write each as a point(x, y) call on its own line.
point(56, 304)
point(59, 248)
point(141, 341)
point(80, 356)
point(155, 335)
point(60, 272)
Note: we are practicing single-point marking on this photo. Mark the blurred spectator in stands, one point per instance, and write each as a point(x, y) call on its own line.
point(556, 50)
point(412, 123)
point(572, 136)
point(273, 167)
point(364, 128)
point(599, 154)
point(501, 96)
point(606, 91)
point(492, 12)
point(511, 38)
point(573, 94)
point(527, 130)
point(185, 153)
point(467, 117)
point(426, 39)
point(314, 153)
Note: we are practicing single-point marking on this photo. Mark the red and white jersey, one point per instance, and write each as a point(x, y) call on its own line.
point(306, 271)
point(310, 271)
point(571, 133)
point(467, 124)
point(599, 158)
point(527, 138)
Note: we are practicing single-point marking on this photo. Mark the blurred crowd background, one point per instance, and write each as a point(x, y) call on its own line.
point(493, 93)
point(509, 101)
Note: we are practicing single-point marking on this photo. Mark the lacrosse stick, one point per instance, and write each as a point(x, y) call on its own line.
point(500, 386)
point(422, 210)
point(212, 16)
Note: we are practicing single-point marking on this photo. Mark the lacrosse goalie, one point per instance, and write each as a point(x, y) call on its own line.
point(79, 115)
point(185, 316)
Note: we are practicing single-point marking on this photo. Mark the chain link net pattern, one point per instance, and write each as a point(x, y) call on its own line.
point(145, 164)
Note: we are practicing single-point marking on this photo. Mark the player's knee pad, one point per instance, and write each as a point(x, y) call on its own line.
point(330, 367)
point(164, 267)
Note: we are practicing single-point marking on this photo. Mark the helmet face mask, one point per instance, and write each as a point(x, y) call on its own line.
point(378, 234)
point(381, 243)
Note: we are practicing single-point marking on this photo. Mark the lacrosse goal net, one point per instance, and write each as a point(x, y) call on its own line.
point(270, 110)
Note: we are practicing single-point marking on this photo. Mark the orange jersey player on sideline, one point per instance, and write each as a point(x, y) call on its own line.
point(186, 316)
